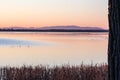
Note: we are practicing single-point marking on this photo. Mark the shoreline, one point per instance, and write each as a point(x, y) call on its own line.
point(53, 30)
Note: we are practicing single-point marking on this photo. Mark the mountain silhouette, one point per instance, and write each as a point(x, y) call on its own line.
point(70, 28)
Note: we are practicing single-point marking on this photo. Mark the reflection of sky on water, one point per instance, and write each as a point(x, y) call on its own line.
point(18, 42)
point(52, 49)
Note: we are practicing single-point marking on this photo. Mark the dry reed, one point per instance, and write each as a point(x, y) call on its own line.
point(65, 72)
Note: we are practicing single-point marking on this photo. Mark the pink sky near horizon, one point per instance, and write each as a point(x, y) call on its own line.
point(39, 13)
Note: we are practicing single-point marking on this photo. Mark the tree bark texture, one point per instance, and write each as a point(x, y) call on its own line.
point(114, 40)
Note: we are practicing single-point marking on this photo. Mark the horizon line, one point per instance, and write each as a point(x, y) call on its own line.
point(51, 26)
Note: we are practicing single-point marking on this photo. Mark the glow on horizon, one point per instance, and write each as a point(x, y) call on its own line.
point(37, 13)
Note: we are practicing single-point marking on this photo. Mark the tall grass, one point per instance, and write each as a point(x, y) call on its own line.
point(66, 72)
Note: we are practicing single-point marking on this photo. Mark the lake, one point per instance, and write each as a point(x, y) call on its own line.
point(52, 48)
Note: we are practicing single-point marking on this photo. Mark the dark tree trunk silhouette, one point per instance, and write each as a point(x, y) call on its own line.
point(114, 40)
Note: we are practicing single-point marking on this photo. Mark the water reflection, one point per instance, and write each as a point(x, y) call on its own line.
point(53, 49)
point(21, 43)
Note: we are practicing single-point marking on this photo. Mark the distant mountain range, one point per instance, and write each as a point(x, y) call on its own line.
point(57, 29)
point(71, 28)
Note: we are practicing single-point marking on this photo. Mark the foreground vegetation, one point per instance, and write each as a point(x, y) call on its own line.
point(65, 72)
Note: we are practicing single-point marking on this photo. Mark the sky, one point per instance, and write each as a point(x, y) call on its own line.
point(39, 13)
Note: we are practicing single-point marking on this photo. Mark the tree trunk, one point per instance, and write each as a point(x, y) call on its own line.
point(114, 40)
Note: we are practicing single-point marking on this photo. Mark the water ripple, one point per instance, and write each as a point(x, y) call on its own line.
point(18, 42)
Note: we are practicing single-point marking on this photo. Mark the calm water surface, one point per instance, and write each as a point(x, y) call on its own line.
point(52, 48)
